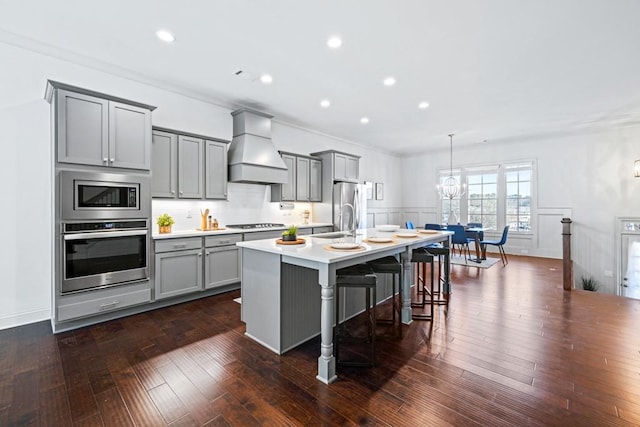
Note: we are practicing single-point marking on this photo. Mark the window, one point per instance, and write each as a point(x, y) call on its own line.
point(518, 197)
point(482, 198)
point(496, 195)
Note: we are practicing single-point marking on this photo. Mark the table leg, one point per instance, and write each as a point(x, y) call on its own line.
point(446, 286)
point(407, 279)
point(326, 361)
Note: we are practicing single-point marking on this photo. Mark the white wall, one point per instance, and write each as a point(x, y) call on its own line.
point(585, 175)
point(27, 190)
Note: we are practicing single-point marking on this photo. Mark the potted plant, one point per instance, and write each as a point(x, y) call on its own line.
point(590, 284)
point(165, 221)
point(290, 234)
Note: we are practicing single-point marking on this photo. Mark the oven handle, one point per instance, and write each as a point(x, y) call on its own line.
point(103, 234)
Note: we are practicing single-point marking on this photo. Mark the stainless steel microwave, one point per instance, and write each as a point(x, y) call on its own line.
point(100, 195)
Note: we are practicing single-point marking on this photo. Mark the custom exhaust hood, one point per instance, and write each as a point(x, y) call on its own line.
point(252, 156)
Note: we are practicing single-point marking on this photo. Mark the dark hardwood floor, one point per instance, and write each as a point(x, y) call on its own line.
point(512, 349)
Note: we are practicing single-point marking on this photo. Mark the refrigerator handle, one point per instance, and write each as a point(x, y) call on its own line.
point(356, 209)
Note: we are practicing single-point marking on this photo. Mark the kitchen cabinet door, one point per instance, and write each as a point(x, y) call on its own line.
point(164, 165)
point(222, 266)
point(129, 136)
point(315, 180)
point(286, 192)
point(215, 170)
point(99, 132)
point(82, 130)
point(302, 179)
point(190, 167)
point(345, 167)
point(178, 273)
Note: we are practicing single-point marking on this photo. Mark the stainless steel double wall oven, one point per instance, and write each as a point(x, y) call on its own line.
point(104, 229)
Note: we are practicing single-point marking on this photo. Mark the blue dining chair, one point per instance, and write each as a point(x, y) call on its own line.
point(499, 244)
point(432, 226)
point(460, 239)
point(409, 225)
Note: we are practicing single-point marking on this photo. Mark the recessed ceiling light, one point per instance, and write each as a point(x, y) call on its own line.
point(334, 42)
point(423, 105)
point(389, 81)
point(266, 79)
point(165, 36)
point(364, 120)
point(325, 103)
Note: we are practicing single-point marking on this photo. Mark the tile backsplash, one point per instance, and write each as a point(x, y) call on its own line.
point(247, 203)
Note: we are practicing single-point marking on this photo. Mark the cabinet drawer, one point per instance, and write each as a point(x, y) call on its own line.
point(102, 304)
point(227, 239)
point(318, 230)
point(304, 231)
point(169, 245)
point(259, 235)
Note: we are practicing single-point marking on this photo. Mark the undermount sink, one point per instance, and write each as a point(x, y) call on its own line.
point(334, 235)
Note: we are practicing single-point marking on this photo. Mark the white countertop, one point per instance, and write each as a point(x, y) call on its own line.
point(197, 233)
point(314, 247)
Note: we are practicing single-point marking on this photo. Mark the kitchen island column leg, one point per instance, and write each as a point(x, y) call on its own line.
point(407, 279)
point(326, 361)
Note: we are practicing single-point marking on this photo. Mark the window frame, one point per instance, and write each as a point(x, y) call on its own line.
point(501, 169)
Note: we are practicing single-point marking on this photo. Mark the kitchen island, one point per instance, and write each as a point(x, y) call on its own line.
point(282, 304)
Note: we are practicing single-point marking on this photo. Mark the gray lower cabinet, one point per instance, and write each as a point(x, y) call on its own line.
point(102, 301)
point(222, 260)
point(259, 235)
point(178, 266)
point(324, 229)
point(98, 130)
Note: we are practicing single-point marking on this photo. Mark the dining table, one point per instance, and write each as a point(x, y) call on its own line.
point(481, 250)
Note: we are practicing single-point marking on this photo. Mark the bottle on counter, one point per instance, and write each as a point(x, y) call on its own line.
point(215, 224)
point(209, 223)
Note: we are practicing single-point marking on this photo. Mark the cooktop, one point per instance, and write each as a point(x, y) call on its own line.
point(256, 225)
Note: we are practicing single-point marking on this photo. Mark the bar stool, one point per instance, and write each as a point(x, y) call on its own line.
point(439, 251)
point(356, 276)
point(422, 257)
point(390, 265)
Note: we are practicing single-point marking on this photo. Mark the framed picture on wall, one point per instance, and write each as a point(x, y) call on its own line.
point(368, 187)
point(379, 191)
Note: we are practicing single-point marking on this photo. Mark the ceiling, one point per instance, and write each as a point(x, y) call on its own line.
point(491, 70)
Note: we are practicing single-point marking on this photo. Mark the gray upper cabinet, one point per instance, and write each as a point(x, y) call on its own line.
point(302, 179)
point(215, 170)
point(286, 192)
point(100, 130)
point(190, 167)
point(304, 183)
point(315, 180)
point(164, 165)
point(129, 136)
point(345, 167)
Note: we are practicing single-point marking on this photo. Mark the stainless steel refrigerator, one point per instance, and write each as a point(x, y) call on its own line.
point(349, 206)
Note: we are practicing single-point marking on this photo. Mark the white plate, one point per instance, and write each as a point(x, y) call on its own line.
point(345, 245)
point(407, 235)
point(387, 227)
point(379, 239)
point(428, 231)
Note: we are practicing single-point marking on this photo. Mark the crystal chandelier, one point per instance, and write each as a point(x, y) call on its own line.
point(450, 187)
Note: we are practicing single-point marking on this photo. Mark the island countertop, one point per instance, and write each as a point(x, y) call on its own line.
point(317, 247)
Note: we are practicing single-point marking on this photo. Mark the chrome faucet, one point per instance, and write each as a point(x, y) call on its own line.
point(352, 224)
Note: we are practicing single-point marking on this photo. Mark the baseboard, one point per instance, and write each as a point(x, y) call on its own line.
point(25, 318)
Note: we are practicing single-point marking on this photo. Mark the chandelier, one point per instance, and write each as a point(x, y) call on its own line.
point(450, 187)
